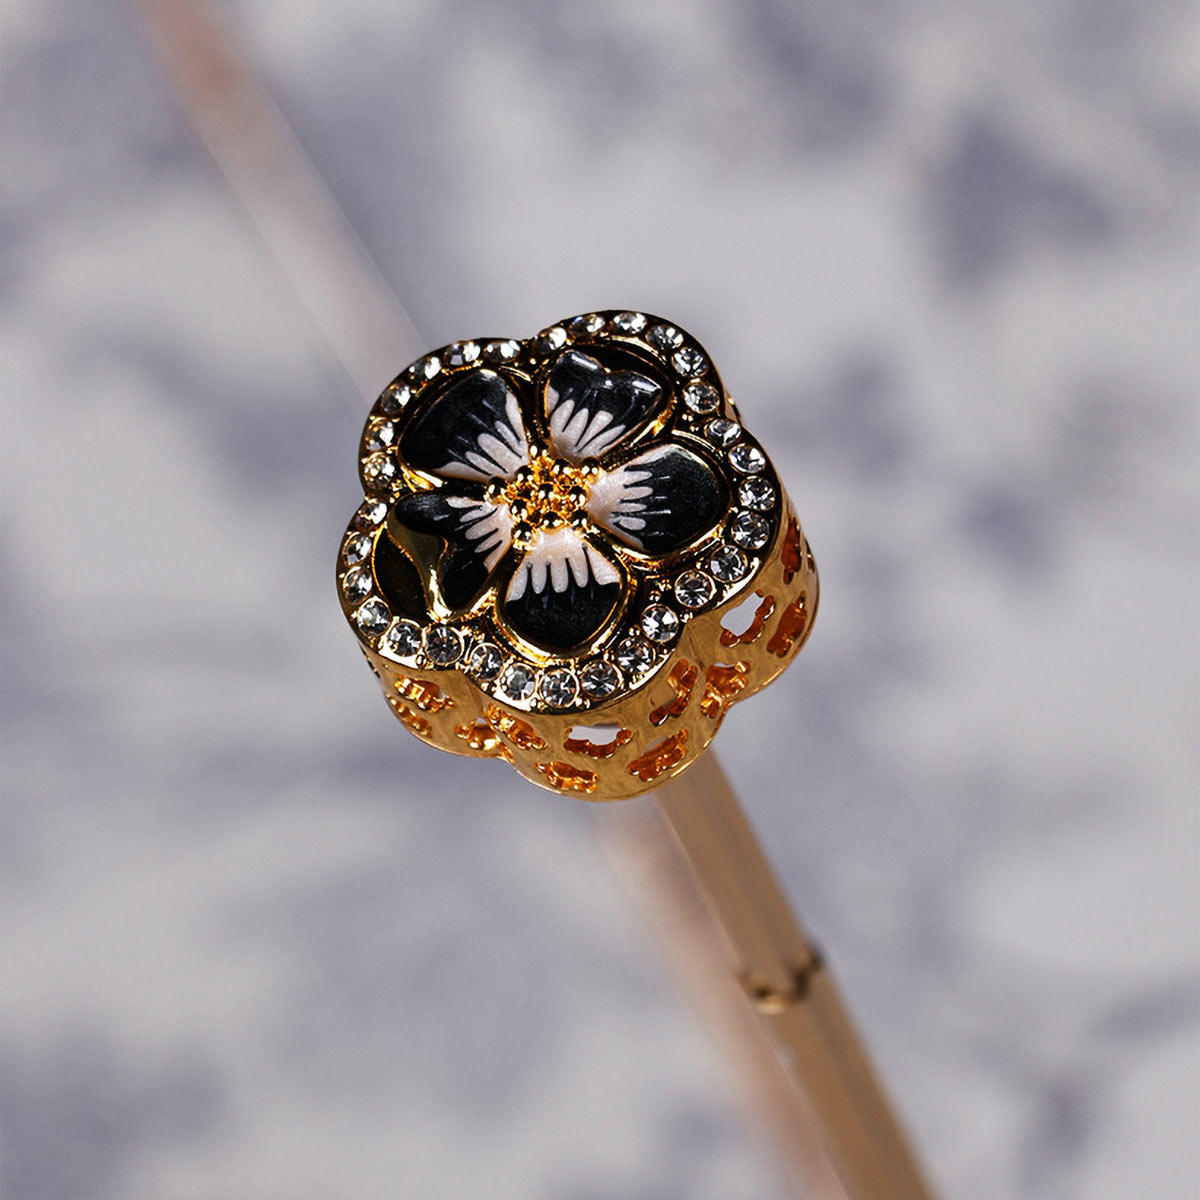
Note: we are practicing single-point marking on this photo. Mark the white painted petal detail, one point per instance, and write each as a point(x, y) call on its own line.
point(576, 433)
point(618, 499)
point(554, 559)
point(658, 502)
point(488, 527)
point(590, 408)
point(474, 430)
point(494, 455)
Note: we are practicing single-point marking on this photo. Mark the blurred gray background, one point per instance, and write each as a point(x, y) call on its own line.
point(259, 943)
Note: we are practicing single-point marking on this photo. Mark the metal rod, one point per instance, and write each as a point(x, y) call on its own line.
point(667, 892)
point(790, 986)
point(351, 305)
point(765, 952)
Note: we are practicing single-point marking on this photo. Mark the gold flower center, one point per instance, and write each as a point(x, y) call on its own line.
point(547, 494)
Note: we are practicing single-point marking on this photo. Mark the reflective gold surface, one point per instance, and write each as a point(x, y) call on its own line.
point(662, 728)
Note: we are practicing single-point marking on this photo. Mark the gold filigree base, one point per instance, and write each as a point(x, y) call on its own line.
point(640, 740)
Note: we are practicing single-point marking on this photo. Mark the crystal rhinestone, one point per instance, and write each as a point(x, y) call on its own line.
point(635, 655)
point(700, 397)
point(747, 458)
point(757, 492)
point(518, 681)
point(404, 639)
point(694, 589)
point(443, 645)
point(551, 339)
point(750, 531)
point(373, 617)
point(665, 337)
point(357, 548)
point(371, 513)
point(599, 679)
point(689, 361)
point(462, 353)
point(502, 351)
point(380, 471)
point(425, 368)
point(381, 436)
point(357, 584)
point(723, 432)
point(587, 325)
point(660, 623)
point(559, 687)
point(629, 323)
point(485, 661)
point(395, 398)
point(728, 564)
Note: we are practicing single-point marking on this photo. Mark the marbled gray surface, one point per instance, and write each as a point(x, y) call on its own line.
point(261, 945)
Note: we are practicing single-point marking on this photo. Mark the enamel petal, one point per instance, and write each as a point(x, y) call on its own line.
point(562, 592)
point(591, 407)
point(658, 502)
point(477, 536)
point(473, 430)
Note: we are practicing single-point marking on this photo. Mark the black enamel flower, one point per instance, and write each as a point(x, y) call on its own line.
point(534, 485)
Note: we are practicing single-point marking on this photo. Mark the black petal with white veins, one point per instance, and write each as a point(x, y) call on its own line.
point(477, 535)
point(660, 501)
point(562, 592)
point(590, 407)
point(473, 430)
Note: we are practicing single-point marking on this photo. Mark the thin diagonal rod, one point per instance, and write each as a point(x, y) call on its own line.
point(351, 304)
point(670, 896)
point(791, 987)
point(369, 331)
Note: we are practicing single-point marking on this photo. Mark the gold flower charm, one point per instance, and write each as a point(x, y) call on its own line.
point(571, 554)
